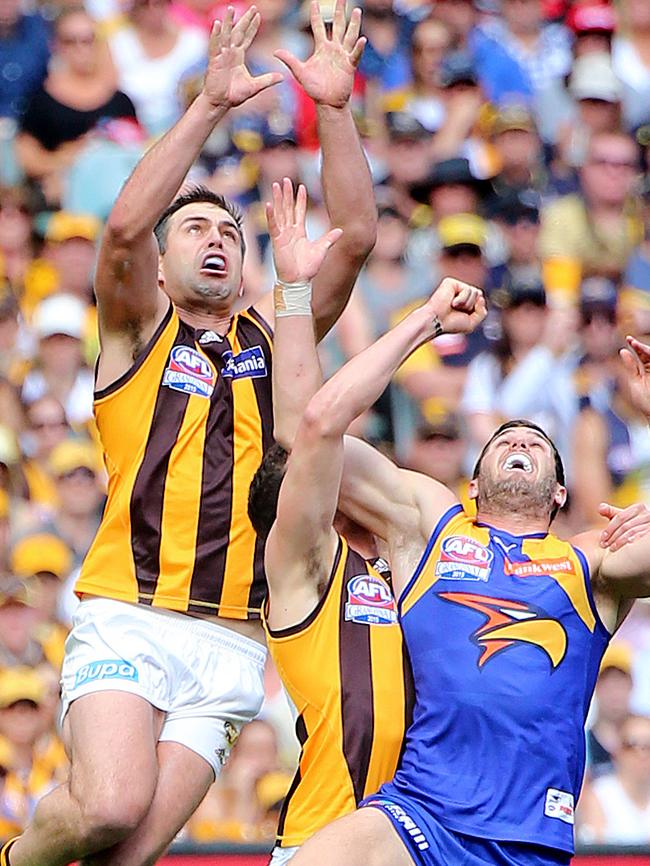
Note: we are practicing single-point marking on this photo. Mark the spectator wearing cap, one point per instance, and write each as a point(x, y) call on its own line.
point(386, 59)
point(593, 25)
point(612, 706)
point(616, 807)
point(70, 246)
point(593, 233)
point(37, 757)
point(59, 324)
point(519, 56)
point(517, 215)
point(18, 619)
point(600, 340)
point(152, 53)
point(517, 152)
point(24, 55)
point(630, 53)
point(407, 156)
point(525, 373)
point(47, 426)
point(75, 468)
point(597, 93)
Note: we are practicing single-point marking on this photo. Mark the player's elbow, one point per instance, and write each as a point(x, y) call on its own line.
point(360, 236)
point(320, 419)
point(121, 230)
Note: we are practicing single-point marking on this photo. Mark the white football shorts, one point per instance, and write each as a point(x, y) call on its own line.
point(280, 856)
point(207, 679)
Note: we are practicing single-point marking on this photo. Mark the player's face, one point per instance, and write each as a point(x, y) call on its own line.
point(518, 474)
point(203, 257)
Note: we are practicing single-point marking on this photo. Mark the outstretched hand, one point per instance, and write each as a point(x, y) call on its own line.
point(625, 524)
point(459, 306)
point(328, 75)
point(227, 81)
point(296, 258)
point(636, 361)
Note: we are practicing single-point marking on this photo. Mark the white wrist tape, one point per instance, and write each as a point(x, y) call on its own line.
point(292, 299)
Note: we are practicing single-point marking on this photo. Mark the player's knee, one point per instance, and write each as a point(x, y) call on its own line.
point(110, 818)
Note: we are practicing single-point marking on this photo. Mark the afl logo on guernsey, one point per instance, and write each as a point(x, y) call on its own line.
point(370, 601)
point(189, 372)
point(462, 558)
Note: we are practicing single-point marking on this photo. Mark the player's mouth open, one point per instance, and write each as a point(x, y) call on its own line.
point(214, 263)
point(518, 460)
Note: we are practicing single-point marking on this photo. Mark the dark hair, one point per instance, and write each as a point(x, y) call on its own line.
point(521, 422)
point(265, 489)
point(195, 195)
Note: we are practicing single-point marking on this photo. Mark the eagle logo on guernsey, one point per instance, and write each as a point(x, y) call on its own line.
point(189, 372)
point(249, 364)
point(462, 558)
point(507, 623)
point(370, 601)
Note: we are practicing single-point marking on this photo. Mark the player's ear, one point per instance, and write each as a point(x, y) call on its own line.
point(472, 490)
point(240, 292)
point(161, 276)
point(560, 495)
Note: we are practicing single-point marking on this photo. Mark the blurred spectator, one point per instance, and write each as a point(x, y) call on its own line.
point(612, 701)
point(597, 93)
point(600, 341)
point(152, 53)
point(593, 25)
point(24, 53)
point(60, 323)
point(408, 161)
point(517, 153)
point(386, 59)
point(631, 59)
point(78, 93)
point(237, 806)
point(512, 379)
point(463, 101)
point(460, 16)
point(16, 237)
point(70, 247)
point(516, 213)
point(593, 234)
point(438, 450)
point(634, 301)
point(47, 426)
point(18, 618)
point(616, 807)
point(37, 758)
point(74, 466)
point(12, 361)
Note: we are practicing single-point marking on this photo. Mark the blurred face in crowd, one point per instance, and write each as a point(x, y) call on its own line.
point(431, 41)
point(196, 233)
point(60, 354)
point(609, 172)
point(9, 328)
point(524, 324)
point(439, 457)
point(21, 723)
point(15, 225)
point(592, 42)
point(279, 161)
point(458, 15)
point(519, 151)
point(74, 260)
point(598, 115)
point(636, 14)
point(257, 746)
point(599, 333)
point(633, 757)
point(9, 13)
point(76, 42)
point(613, 691)
point(521, 235)
point(392, 237)
point(522, 16)
point(453, 198)
point(408, 159)
point(465, 263)
point(48, 424)
point(16, 624)
point(46, 588)
point(150, 14)
point(79, 492)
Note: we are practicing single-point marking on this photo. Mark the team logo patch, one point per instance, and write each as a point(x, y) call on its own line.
point(250, 364)
point(507, 623)
point(189, 372)
point(370, 601)
point(107, 669)
point(462, 558)
point(559, 804)
point(541, 567)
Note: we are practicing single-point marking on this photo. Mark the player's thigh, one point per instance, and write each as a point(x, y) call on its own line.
point(111, 739)
point(364, 838)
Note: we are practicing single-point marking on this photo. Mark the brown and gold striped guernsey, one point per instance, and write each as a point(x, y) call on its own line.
point(183, 432)
point(346, 671)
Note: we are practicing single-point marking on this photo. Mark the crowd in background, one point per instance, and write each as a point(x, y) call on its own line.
point(509, 143)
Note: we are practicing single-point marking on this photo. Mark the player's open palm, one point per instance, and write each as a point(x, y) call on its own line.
point(296, 258)
point(636, 360)
point(459, 306)
point(328, 75)
point(227, 80)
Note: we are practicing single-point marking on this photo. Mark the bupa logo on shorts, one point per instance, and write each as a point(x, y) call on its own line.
point(401, 817)
point(559, 804)
point(108, 669)
point(462, 558)
point(370, 601)
point(249, 364)
point(189, 372)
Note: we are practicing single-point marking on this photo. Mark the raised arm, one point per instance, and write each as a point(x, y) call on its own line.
point(129, 300)
point(328, 77)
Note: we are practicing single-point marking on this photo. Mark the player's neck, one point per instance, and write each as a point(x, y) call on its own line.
point(514, 524)
point(202, 319)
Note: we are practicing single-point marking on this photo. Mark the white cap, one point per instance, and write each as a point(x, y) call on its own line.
point(593, 78)
point(60, 314)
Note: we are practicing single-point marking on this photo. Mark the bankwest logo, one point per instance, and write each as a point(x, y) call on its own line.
point(546, 566)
